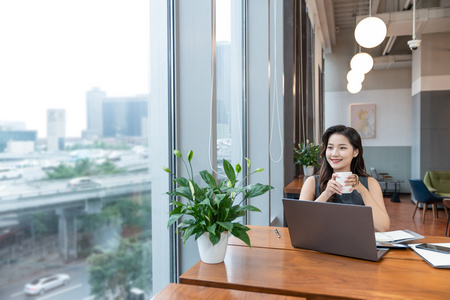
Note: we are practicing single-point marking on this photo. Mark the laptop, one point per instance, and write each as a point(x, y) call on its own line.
point(334, 228)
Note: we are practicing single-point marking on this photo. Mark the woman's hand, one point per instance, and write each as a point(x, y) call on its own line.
point(333, 187)
point(353, 181)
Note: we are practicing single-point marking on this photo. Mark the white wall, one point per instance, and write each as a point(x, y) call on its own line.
point(393, 114)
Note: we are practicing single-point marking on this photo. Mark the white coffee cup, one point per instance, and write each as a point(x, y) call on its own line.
point(341, 177)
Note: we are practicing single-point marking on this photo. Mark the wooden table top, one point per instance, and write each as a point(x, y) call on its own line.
point(265, 237)
point(194, 292)
point(316, 275)
point(295, 186)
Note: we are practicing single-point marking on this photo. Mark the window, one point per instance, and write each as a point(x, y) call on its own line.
point(229, 82)
point(73, 125)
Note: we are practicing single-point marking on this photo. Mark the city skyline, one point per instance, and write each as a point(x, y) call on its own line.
point(52, 59)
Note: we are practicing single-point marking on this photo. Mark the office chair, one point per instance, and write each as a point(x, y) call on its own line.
point(423, 195)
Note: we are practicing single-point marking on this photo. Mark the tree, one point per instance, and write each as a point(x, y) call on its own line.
point(114, 273)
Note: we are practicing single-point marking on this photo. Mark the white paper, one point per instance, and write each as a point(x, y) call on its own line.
point(436, 259)
point(395, 235)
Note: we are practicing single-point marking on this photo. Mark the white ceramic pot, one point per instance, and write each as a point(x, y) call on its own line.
point(308, 170)
point(212, 254)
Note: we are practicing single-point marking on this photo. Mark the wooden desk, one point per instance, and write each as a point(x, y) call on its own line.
point(192, 292)
point(265, 237)
point(317, 275)
point(294, 187)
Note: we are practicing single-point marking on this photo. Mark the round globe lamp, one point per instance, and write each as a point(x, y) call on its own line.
point(361, 62)
point(355, 76)
point(354, 87)
point(370, 32)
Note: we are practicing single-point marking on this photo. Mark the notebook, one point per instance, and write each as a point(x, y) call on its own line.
point(335, 228)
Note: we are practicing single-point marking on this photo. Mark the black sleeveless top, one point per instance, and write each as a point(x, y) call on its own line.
point(351, 198)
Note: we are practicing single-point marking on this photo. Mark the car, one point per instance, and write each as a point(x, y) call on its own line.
point(43, 284)
point(7, 173)
point(83, 182)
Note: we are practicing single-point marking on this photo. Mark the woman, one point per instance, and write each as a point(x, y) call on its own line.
point(342, 152)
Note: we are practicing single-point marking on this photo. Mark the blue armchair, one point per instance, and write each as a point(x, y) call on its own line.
point(423, 195)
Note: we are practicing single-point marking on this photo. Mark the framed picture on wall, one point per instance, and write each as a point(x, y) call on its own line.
point(362, 118)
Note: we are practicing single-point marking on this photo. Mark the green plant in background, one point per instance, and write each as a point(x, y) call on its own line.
point(307, 154)
point(212, 208)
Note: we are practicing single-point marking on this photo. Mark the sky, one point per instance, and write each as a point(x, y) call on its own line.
point(53, 51)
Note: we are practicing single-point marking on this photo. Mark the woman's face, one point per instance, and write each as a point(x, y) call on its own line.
point(340, 153)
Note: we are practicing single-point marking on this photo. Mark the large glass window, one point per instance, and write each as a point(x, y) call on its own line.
point(229, 82)
point(74, 171)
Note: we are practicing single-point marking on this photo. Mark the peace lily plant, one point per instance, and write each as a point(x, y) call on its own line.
point(211, 209)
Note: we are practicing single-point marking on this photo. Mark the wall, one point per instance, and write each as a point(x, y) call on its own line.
point(390, 90)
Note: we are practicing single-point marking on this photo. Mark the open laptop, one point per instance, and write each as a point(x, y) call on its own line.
point(334, 228)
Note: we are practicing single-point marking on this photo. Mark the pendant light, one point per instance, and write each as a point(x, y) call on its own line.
point(371, 31)
point(361, 62)
point(355, 76)
point(354, 87)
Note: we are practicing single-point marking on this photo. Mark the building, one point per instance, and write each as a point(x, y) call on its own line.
point(56, 129)
point(17, 140)
point(124, 116)
point(115, 116)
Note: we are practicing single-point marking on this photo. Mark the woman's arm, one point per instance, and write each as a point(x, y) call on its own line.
point(308, 189)
point(374, 198)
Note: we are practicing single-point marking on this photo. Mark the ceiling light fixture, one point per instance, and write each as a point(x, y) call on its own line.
point(354, 87)
point(361, 62)
point(371, 31)
point(355, 76)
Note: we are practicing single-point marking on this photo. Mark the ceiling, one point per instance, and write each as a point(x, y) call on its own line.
point(332, 18)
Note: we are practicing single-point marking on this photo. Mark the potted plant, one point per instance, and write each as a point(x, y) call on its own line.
point(307, 154)
point(211, 211)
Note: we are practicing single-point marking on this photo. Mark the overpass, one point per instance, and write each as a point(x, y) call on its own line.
point(69, 204)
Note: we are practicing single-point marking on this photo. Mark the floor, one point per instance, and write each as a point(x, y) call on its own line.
point(401, 217)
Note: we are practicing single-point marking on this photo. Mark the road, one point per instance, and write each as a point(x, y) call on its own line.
point(77, 289)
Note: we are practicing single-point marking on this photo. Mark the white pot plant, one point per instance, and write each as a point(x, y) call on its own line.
point(210, 212)
point(307, 154)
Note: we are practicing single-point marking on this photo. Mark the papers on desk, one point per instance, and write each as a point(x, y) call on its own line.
point(435, 259)
point(397, 236)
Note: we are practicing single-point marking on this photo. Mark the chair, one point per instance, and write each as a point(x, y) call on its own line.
point(423, 195)
point(384, 180)
point(446, 203)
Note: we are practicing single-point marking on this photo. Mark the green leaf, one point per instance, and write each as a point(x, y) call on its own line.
point(177, 153)
point(258, 170)
point(167, 170)
point(228, 168)
point(227, 225)
point(214, 238)
point(241, 234)
point(250, 208)
point(238, 168)
point(248, 162)
point(173, 218)
point(188, 232)
point(211, 229)
point(190, 155)
point(181, 181)
point(257, 190)
point(208, 178)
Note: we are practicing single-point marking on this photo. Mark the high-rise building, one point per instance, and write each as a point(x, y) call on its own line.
point(124, 117)
point(115, 116)
point(94, 112)
point(56, 129)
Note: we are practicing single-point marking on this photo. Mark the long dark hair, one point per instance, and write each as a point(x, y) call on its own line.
point(357, 165)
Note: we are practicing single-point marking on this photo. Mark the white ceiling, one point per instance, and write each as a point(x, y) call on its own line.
point(334, 16)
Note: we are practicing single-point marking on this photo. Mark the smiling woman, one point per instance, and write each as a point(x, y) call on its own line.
point(342, 151)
